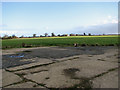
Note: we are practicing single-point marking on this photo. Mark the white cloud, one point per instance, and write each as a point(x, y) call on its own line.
point(114, 21)
point(8, 32)
point(108, 25)
point(108, 28)
point(108, 20)
point(109, 16)
point(105, 21)
point(11, 32)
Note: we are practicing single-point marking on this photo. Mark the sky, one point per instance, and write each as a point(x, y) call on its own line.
point(28, 18)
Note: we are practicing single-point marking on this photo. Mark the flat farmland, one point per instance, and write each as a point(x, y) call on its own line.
point(107, 40)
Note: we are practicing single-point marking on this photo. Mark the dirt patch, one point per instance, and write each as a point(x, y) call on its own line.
point(85, 84)
point(70, 72)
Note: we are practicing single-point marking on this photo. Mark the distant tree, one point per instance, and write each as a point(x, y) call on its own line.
point(58, 35)
point(52, 34)
point(77, 34)
point(5, 36)
point(65, 34)
point(46, 34)
point(40, 35)
point(34, 35)
point(84, 34)
point(10, 37)
point(22, 36)
point(72, 35)
point(13, 36)
point(89, 34)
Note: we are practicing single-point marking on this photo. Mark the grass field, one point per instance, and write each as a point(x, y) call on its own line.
point(109, 40)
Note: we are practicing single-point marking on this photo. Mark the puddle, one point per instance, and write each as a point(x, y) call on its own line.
point(14, 60)
point(17, 56)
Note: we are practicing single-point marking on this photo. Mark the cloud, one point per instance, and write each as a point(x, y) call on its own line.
point(109, 19)
point(108, 25)
point(109, 16)
point(11, 32)
point(8, 32)
point(114, 21)
point(109, 28)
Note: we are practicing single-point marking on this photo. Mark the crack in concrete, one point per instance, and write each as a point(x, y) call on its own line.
point(43, 64)
point(39, 84)
point(31, 67)
point(38, 71)
point(24, 80)
point(86, 81)
point(99, 75)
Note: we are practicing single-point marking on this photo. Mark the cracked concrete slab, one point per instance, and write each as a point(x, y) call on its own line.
point(58, 79)
point(52, 81)
point(67, 70)
point(9, 78)
point(23, 85)
point(95, 67)
point(39, 62)
point(32, 70)
point(109, 80)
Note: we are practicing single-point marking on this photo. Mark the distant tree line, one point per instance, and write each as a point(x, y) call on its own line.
point(45, 35)
point(9, 37)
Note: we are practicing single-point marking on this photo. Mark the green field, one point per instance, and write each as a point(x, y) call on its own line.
point(61, 41)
